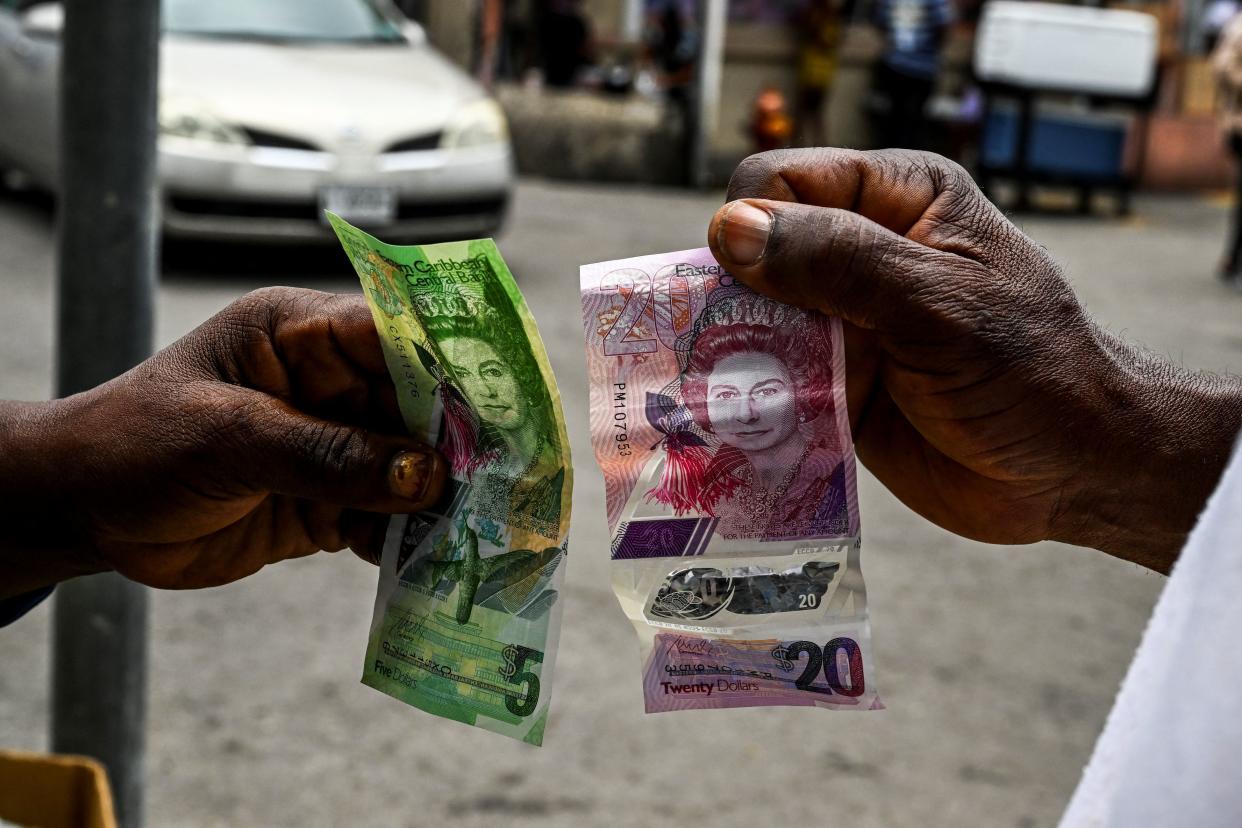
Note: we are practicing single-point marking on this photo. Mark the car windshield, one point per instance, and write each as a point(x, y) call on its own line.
point(328, 21)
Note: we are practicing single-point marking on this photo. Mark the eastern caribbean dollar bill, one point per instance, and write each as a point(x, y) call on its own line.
point(718, 417)
point(468, 610)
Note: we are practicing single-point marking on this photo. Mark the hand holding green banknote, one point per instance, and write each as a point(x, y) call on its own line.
point(468, 613)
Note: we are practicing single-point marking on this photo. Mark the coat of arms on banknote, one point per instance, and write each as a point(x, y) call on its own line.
point(468, 612)
point(718, 417)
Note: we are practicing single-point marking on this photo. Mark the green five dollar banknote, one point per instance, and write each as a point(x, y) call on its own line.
point(468, 609)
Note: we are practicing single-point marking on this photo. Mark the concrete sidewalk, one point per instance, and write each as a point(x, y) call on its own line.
point(998, 665)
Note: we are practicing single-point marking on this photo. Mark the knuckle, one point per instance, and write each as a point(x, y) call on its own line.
point(903, 163)
point(966, 226)
point(952, 174)
point(934, 165)
point(774, 174)
point(322, 526)
point(244, 325)
point(337, 451)
point(785, 174)
point(263, 309)
point(240, 341)
point(944, 174)
point(752, 175)
point(221, 426)
point(958, 183)
point(262, 304)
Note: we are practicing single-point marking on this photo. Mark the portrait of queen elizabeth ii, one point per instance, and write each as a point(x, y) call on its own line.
point(499, 431)
point(752, 436)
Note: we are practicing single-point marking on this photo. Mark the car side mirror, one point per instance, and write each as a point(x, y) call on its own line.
point(43, 21)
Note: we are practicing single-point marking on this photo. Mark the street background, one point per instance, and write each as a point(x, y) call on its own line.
point(998, 664)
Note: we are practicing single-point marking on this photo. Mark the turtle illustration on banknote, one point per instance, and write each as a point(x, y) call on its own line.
point(511, 581)
point(698, 593)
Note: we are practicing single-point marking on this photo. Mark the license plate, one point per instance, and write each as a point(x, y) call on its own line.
point(360, 204)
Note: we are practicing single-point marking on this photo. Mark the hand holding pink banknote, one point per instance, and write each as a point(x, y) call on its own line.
point(981, 392)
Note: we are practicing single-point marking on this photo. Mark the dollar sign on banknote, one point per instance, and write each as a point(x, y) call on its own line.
point(468, 609)
point(718, 417)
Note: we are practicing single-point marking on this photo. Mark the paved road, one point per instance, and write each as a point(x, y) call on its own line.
point(998, 664)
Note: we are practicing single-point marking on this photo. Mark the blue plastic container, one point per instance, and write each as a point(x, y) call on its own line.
point(1067, 144)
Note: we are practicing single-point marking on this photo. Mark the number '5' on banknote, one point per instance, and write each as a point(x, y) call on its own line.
point(718, 417)
point(468, 609)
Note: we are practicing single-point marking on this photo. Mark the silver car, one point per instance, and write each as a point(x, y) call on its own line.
point(271, 112)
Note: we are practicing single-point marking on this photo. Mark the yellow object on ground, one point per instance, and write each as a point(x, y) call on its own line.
point(54, 791)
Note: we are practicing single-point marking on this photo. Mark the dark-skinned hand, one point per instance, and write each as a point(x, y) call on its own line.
point(270, 432)
point(981, 393)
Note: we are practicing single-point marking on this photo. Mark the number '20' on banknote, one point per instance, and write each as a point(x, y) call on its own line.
point(468, 609)
point(718, 417)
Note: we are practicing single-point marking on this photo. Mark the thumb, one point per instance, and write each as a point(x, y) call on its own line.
point(272, 447)
point(829, 259)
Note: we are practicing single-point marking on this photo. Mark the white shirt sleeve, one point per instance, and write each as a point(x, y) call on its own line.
point(1171, 751)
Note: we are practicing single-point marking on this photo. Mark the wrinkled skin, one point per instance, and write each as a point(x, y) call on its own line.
point(268, 433)
point(980, 391)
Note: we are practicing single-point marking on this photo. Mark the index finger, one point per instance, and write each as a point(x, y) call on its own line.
point(317, 351)
point(332, 325)
point(332, 352)
point(913, 194)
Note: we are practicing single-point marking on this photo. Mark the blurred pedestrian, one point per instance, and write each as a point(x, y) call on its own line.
point(671, 36)
point(1216, 17)
point(413, 9)
point(489, 32)
point(565, 46)
point(672, 44)
point(1227, 66)
point(519, 43)
point(818, 27)
point(904, 78)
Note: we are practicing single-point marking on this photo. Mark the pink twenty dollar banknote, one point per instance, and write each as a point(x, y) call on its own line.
point(718, 417)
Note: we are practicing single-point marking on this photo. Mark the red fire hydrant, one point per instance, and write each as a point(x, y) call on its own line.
point(770, 124)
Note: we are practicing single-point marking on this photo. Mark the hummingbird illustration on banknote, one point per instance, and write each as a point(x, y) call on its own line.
point(510, 578)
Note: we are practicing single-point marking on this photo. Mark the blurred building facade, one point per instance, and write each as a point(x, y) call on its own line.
point(612, 126)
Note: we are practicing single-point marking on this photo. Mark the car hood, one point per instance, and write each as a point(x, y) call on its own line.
point(339, 98)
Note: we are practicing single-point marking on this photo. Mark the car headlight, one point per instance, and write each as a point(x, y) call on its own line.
point(184, 119)
point(475, 125)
